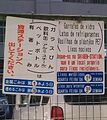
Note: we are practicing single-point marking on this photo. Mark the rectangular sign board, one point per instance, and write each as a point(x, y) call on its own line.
point(80, 58)
point(30, 56)
point(44, 57)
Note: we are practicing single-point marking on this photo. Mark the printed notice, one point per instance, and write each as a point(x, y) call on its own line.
point(80, 57)
point(30, 56)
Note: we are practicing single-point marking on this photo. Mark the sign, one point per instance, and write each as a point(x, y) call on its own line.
point(80, 59)
point(30, 56)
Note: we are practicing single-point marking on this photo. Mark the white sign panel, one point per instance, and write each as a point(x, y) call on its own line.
point(80, 58)
point(30, 56)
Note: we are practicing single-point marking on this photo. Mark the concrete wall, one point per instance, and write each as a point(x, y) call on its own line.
point(16, 6)
point(51, 7)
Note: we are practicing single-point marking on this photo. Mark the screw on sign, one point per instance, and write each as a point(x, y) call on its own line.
point(34, 87)
point(87, 89)
point(88, 77)
point(33, 90)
